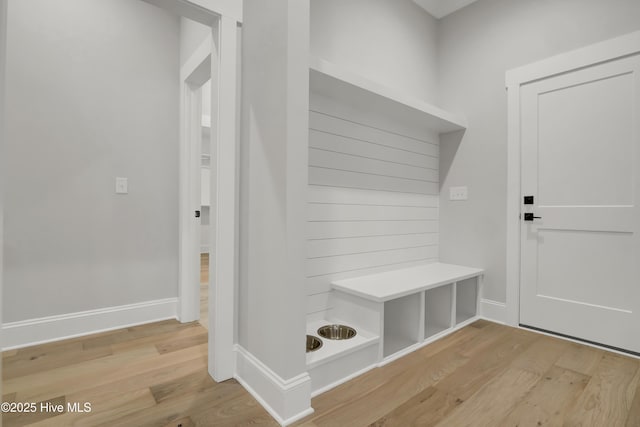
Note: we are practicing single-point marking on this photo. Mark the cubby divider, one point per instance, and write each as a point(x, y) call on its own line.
point(466, 299)
point(438, 309)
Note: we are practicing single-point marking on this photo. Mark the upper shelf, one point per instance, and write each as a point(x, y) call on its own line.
point(365, 95)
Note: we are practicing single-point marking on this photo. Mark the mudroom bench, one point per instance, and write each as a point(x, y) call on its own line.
point(411, 306)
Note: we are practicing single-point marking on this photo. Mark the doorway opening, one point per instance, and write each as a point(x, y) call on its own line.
point(216, 60)
point(205, 202)
point(196, 189)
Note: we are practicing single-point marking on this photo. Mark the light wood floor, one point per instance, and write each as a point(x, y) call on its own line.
point(150, 375)
point(482, 375)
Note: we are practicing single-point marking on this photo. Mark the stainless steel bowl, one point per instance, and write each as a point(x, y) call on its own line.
point(313, 343)
point(336, 332)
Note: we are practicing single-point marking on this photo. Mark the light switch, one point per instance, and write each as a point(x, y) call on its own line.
point(458, 193)
point(122, 185)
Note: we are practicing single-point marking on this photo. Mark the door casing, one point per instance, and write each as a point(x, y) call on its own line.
point(598, 53)
point(221, 51)
point(217, 59)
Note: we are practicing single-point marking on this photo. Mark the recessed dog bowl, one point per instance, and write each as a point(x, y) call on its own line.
point(313, 343)
point(337, 332)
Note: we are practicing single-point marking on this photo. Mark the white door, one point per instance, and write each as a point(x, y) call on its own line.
point(580, 265)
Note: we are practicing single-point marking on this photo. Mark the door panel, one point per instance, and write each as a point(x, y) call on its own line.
point(563, 267)
point(580, 272)
point(583, 129)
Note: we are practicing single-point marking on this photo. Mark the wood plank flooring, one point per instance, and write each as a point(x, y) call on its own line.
point(483, 375)
point(150, 375)
point(490, 375)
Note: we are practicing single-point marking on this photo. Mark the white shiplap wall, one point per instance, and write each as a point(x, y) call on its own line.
point(373, 197)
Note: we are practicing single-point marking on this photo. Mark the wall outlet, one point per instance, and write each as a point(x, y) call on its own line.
point(122, 185)
point(458, 193)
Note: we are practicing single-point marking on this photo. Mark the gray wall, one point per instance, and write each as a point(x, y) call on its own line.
point(392, 42)
point(93, 94)
point(476, 46)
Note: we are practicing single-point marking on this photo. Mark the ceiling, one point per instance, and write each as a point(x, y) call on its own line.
point(441, 8)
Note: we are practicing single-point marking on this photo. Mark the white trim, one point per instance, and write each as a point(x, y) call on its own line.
point(604, 51)
point(228, 8)
point(513, 207)
point(30, 332)
point(597, 53)
point(222, 234)
point(343, 380)
point(219, 54)
point(202, 11)
point(401, 353)
point(493, 311)
point(220, 51)
point(287, 401)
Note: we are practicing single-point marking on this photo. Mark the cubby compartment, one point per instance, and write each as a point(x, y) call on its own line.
point(466, 299)
point(401, 323)
point(438, 305)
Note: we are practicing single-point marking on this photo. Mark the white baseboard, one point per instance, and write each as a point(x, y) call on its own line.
point(287, 401)
point(343, 380)
point(493, 310)
point(54, 328)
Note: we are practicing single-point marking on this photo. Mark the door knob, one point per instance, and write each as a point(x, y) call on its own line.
point(531, 217)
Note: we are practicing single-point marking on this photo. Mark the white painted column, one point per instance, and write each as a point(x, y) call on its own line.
point(272, 297)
